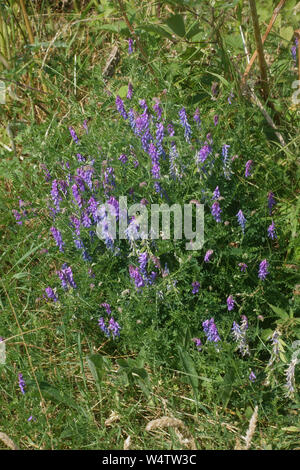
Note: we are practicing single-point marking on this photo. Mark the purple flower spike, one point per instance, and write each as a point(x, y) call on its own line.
point(198, 343)
point(252, 376)
point(136, 276)
point(22, 384)
point(103, 326)
point(272, 231)
point(55, 194)
point(17, 216)
point(66, 277)
point(216, 193)
point(57, 237)
point(185, 124)
point(242, 220)
point(130, 91)
point(51, 294)
point(157, 109)
point(196, 286)
point(77, 196)
point(239, 334)
point(130, 46)
point(107, 307)
point(216, 211)
point(263, 270)
point(73, 135)
point(197, 117)
point(248, 168)
point(216, 119)
point(114, 327)
point(203, 153)
point(208, 255)
point(271, 201)
point(243, 267)
point(143, 261)
point(120, 107)
point(230, 303)
point(211, 331)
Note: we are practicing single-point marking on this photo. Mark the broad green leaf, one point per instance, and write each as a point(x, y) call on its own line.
point(122, 92)
point(95, 363)
point(154, 28)
point(52, 393)
point(287, 32)
point(222, 79)
point(176, 24)
point(189, 369)
point(279, 312)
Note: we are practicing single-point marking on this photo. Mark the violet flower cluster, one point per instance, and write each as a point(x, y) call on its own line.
point(239, 335)
point(185, 124)
point(211, 331)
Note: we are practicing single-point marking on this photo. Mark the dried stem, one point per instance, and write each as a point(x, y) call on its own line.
point(28, 26)
point(260, 50)
point(270, 25)
point(298, 36)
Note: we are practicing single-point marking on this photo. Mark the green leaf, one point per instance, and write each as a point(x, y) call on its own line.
point(279, 312)
point(222, 79)
point(155, 28)
point(287, 32)
point(189, 369)
point(291, 429)
point(50, 392)
point(176, 24)
point(226, 389)
point(95, 363)
point(122, 92)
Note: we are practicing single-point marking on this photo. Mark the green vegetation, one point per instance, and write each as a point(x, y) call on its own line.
point(62, 125)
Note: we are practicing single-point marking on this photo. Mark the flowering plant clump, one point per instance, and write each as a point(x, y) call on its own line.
point(130, 289)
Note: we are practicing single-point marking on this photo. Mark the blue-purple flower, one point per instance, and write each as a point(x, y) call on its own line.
point(243, 267)
point(57, 237)
point(208, 255)
point(66, 277)
point(248, 168)
point(136, 276)
point(252, 376)
point(73, 135)
point(216, 193)
point(130, 46)
point(130, 91)
point(239, 334)
point(123, 158)
point(272, 231)
point(197, 118)
point(120, 107)
point(17, 216)
point(263, 270)
point(196, 287)
point(216, 211)
point(271, 201)
point(203, 153)
point(211, 331)
point(51, 294)
point(242, 220)
point(198, 343)
point(185, 124)
point(230, 303)
point(22, 384)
